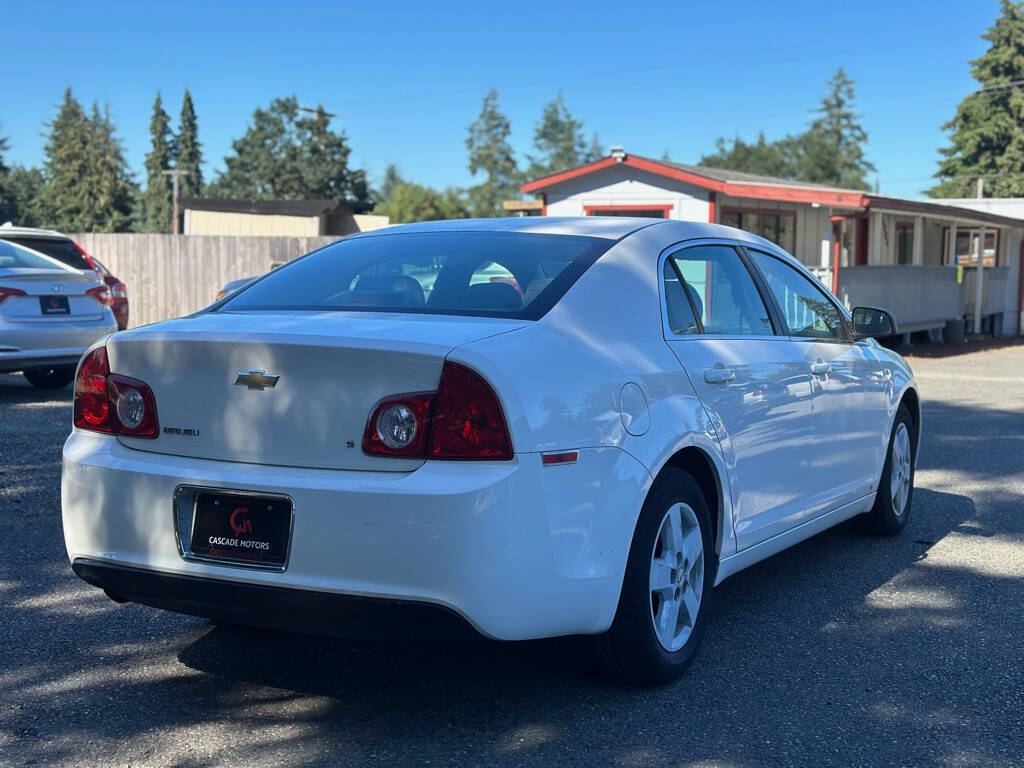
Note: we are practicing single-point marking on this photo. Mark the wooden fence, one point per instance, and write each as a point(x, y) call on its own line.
point(173, 275)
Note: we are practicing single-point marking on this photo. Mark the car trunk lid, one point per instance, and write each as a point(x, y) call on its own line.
point(212, 377)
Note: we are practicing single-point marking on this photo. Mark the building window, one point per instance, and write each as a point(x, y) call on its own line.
point(967, 247)
point(777, 226)
point(904, 243)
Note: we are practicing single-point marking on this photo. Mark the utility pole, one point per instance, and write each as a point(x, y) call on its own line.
point(174, 194)
point(980, 274)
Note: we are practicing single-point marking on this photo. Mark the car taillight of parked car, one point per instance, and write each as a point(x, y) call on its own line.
point(112, 403)
point(6, 293)
point(102, 294)
point(463, 420)
point(119, 291)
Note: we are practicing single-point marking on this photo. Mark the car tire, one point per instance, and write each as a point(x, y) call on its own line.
point(50, 378)
point(895, 493)
point(636, 650)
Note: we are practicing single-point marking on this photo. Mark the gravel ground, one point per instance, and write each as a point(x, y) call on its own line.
point(845, 650)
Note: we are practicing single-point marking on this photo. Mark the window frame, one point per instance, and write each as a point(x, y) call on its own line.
point(746, 211)
point(848, 336)
point(774, 319)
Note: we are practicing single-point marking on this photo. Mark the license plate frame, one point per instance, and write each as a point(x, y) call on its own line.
point(187, 504)
point(54, 305)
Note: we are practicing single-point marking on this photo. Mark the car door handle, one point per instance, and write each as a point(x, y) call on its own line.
point(719, 375)
point(821, 369)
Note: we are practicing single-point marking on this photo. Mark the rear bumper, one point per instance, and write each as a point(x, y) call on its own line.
point(516, 549)
point(19, 361)
point(273, 607)
point(44, 345)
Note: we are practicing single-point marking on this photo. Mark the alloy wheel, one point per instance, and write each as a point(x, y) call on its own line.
point(899, 471)
point(677, 576)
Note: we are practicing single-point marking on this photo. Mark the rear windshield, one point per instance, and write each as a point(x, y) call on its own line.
point(13, 257)
point(487, 274)
point(62, 250)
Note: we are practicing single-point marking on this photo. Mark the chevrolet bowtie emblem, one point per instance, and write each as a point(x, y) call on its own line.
point(256, 379)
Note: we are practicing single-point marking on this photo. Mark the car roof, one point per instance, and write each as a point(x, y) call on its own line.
point(9, 230)
point(609, 227)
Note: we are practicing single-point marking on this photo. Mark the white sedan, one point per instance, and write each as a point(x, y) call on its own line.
point(523, 427)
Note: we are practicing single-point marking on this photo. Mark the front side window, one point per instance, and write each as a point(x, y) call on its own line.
point(806, 309)
point(487, 274)
point(708, 289)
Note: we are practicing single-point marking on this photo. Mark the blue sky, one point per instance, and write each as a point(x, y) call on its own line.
point(406, 78)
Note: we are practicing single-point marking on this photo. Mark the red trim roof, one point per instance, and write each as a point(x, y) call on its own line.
point(783, 191)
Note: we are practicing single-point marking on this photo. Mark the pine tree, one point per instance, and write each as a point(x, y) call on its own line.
point(188, 154)
point(987, 131)
point(832, 149)
point(284, 156)
point(21, 187)
point(558, 139)
point(63, 202)
point(157, 198)
point(109, 184)
point(490, 153)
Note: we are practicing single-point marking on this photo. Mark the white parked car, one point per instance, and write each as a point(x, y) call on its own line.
point(526, 427)
point(50, 314)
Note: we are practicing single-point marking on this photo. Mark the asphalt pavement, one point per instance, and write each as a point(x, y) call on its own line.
point(844, 650)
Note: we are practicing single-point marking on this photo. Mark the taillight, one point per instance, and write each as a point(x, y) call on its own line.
point(462, 420)
point(119, 291)
point(8, 292)
point(398, 426)
point(112, 403)
point(101, 293)
point(468, 421)
point(92, 410)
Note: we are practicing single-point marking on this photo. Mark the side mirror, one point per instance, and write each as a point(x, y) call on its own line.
point(873, 322)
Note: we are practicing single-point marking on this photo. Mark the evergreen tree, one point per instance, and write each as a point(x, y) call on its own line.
point(8, 210)
point(188, 154)
point(21, 188)
point(491, 154)
point(595, 151)
point(775, 158)
point(832, 149)
point(63, 201)
point(157, 198)
point(987, 131)
point(285, 156)
point(392, 178)
point(413, 202)
point(558, 139)
point(109, 184)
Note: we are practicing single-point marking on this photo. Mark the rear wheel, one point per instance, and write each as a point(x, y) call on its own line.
point(896, 488)
point(50, 378)
point(666, 592)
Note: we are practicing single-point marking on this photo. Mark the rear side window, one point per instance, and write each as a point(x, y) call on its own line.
point(13, 257)
point(487, 274)
point(61, 249)
point(709, 290)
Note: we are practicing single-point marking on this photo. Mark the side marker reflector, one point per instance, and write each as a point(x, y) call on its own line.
point(569, 457)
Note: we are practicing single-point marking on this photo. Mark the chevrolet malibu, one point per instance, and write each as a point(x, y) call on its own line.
point(526, 428)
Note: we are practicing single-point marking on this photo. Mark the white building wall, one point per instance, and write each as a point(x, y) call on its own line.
point(622, 185)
